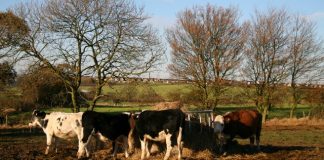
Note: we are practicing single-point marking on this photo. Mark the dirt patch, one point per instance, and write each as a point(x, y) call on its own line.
point(199, 144)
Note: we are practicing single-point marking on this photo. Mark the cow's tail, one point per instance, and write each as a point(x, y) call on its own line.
point(259, 125)
point(182, 122)
point(132, 121)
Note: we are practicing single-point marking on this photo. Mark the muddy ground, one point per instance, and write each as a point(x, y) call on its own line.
point(277, 142)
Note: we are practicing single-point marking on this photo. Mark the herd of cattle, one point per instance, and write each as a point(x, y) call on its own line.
point(120, 128)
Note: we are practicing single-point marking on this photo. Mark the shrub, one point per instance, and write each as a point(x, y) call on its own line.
point(127, 93)
point(16, 103)
point(42, 87)
point(174, 96)
point(193, 97)
point(147, 94)
point(317, 112)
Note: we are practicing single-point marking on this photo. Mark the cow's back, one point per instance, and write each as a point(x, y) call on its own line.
point(243, 123)
point(110, 125)
point(63, 125)
point(153, 122)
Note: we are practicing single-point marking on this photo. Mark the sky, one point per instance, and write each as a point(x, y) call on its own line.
point(163, 13)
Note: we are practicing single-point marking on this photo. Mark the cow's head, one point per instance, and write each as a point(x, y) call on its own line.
point(37, 117)
point(218, 124)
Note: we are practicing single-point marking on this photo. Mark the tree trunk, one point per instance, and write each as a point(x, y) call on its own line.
point(294, 106)
point(74, 99)
point(206, 105)
point(264, 114)
point(96, 96)
point(92, 104)
point(292, 110)
point(295, 100)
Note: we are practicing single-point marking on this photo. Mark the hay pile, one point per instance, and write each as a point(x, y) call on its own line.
point(168, 105)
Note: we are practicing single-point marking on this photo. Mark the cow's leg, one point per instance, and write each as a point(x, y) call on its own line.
point(143, 149)
point(49, 139)
point(168, 145)
point(84, 137)
point(125, 145)
point(147, 150)
point(179, 143)
point(55, 143)
point(130, 141)
point(115, 147)
point(48, 143)
point(257, 137)
point(252, 141)
point(83, 148)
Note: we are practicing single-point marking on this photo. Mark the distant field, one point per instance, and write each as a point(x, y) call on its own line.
point(161, 89)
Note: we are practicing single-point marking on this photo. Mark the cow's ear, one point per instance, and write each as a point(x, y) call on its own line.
point(41, 114)
point(35, 112)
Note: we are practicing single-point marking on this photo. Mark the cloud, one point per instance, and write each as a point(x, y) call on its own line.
point(316, 16)
point(161, 22)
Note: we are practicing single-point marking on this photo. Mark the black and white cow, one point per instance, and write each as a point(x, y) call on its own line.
point(60, 125)
point(117, 127)
point(164, 125)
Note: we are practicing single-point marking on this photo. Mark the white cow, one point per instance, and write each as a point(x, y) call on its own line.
point(61, 125)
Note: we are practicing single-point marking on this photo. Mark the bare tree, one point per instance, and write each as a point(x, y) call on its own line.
point(207, 44)
point(266, 55)
point(122, 44)
point(306, 56)
point(49, 44)
point(105, 38)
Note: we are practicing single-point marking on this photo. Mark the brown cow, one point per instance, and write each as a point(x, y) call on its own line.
point(243, 124)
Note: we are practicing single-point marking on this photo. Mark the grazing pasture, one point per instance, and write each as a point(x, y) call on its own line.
point(278, 141)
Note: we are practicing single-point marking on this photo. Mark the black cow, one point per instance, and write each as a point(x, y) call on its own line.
point(116, 127)
point(165, 125)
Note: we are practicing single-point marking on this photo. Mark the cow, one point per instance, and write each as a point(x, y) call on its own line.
point(117, 127)
point(242, 123)
point(165, 125)
point(60, 125)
